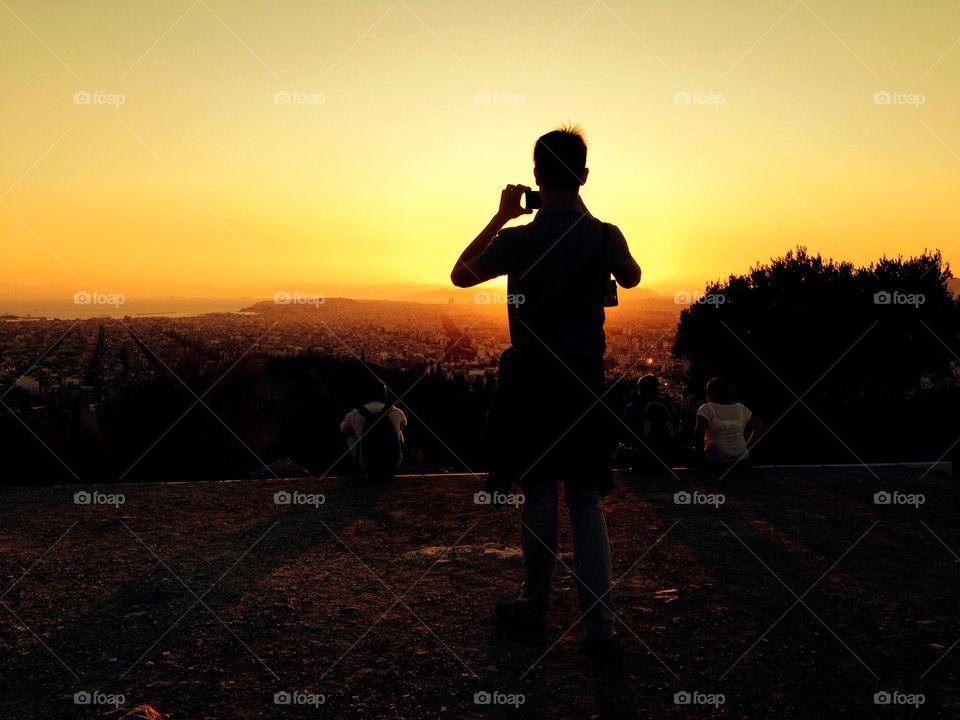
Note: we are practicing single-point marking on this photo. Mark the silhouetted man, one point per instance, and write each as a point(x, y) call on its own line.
point(546, 420)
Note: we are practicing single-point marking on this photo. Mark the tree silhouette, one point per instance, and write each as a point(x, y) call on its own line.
point(832, 343)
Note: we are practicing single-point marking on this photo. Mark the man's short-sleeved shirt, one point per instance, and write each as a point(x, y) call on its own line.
point(558, 270)
point(355, 422)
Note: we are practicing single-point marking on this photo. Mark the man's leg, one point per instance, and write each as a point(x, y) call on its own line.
point(591, 558)
point(538, 533)
point(538, 536)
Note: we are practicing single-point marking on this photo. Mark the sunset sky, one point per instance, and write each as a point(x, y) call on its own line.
point(244, 146)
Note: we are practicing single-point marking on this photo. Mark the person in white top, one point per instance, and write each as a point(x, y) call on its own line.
point(725, 430)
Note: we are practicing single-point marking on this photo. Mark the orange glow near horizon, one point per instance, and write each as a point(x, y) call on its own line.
point(265, 145)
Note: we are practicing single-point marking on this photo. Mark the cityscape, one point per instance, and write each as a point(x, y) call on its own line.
point(70, 366)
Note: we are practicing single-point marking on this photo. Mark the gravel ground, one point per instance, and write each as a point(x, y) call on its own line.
point(798, 596)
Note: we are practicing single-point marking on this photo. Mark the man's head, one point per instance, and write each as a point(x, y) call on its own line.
point(560, 160)
point(648, 387)
point(371, 389)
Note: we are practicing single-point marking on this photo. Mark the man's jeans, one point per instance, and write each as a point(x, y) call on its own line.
point(591, 552)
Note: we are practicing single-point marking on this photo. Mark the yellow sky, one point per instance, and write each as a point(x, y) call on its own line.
point(720, 134)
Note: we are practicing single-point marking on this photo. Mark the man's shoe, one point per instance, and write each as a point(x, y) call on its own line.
point(512, 616)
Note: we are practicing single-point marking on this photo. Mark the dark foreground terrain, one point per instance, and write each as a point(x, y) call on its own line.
point(798, 597)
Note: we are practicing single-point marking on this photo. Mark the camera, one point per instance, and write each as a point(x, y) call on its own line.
point(532, 200)
point(611, 299)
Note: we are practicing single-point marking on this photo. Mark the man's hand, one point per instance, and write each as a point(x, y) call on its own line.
point(511, 206)
point(465, 273)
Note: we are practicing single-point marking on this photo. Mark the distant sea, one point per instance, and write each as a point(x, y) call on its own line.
point(132, 307)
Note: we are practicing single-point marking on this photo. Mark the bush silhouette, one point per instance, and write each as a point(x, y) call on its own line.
point(829, 354)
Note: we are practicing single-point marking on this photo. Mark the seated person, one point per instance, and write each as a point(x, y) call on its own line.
point(376, 442)
point(654, 422)
point(725, 429)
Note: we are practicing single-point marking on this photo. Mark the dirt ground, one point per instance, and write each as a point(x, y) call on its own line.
point(798, 597)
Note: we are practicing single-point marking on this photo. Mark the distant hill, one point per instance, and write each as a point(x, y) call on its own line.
point(330, 303)
point(631, 301)
point(417, 292)
point(55, 301)
point(444, 294)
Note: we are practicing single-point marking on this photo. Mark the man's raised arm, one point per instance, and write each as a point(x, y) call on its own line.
point(628, 274)
point(466, 271)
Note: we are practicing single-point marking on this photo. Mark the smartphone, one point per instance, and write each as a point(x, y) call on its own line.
point(532, 200)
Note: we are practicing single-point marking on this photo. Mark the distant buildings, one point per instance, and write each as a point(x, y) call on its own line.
point(100, 360)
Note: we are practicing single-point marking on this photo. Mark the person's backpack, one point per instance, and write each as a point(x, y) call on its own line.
point(379, 443)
